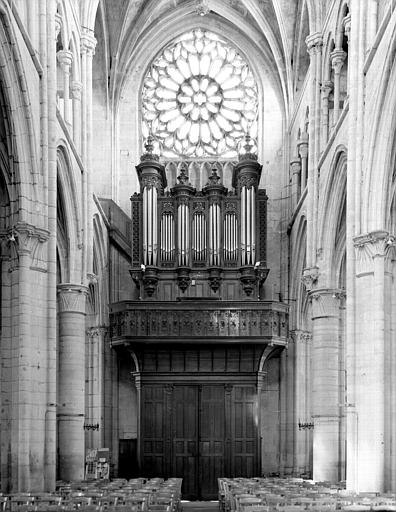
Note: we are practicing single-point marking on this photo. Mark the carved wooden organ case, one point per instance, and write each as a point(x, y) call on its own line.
point(199, 243)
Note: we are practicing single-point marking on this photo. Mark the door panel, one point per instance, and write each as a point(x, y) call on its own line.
point(212, 434)
point(153, 427)
point(244, 434)
point(185, 437)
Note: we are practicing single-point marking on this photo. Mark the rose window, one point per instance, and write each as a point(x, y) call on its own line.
point(199, 98)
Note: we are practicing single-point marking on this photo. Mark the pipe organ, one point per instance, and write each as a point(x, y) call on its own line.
point(199, 243)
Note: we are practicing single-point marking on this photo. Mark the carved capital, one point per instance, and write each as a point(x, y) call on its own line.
point(326, 302)
point(65, 59)
point(314, 43)
point(377, 244)
point(168, 207)
point(230, 207)
point(150, 181)
point(337, 58)
point(183, 200)
point(71, 298)
point(88, 42)
point(25, 239)
point(247, 181)
point(302, 145)
point(301, 337)
point(95, 333)
point(295, 165)
point(76, 88)
point(326, 88)
point(310, 277)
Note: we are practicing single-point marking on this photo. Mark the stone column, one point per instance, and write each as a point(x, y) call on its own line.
point(65, 58)
point(95, 406)
point(325, 383)
point(373, 260)
point(138, 383)
point(302, 414)
point(88, 44)
point(24, 358)
point(326, 89)
point(346, 23)
point(303, 152)
point(295, 169)
point(337, 57)
point(71, 399)
point(283, 433)
point(76, 88)
point(33, 22)
point(372, 22)
point(314, 46)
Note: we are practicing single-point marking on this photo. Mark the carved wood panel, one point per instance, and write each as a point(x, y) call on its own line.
point(170, 322)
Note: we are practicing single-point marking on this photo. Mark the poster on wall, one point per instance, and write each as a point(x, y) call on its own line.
point(97, 464)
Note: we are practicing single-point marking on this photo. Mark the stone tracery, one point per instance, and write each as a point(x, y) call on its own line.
point(199, 97)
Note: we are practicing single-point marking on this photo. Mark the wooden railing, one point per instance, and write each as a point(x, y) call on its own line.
point(200, 320)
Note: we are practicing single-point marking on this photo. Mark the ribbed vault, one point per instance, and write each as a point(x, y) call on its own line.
point(271, 27)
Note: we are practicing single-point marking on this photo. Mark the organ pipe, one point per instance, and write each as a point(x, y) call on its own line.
point(214, 225)
point(179, 232)
point(183, 239)
point(154, 235)
point(145, 228)
point(248, 225)
point(230, 237)
point(199, 236)
point(243, 224)
point(167, 237)
point(253, 224)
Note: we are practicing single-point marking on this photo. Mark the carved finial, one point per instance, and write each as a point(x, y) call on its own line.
point(247, 148)
point(214, 178)
point(150, 152)
point(183, 177)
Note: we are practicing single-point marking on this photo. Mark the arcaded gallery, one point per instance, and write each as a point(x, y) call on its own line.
point(197, 234)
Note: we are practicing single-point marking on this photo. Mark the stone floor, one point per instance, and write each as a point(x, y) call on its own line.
point(200, 506)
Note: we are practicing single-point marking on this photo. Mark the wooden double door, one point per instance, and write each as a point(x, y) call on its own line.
point(199, 432)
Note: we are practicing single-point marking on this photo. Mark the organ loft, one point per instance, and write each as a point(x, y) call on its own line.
point(199, 329)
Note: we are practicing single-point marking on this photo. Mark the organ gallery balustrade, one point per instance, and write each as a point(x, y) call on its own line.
point(213, 321)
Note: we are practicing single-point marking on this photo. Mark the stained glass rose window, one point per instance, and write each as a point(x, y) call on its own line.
point(199, 98)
